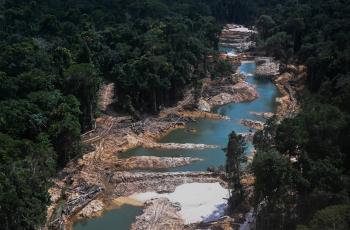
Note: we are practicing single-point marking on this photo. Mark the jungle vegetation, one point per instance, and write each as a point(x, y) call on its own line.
point(303, 172)
point(54, 55)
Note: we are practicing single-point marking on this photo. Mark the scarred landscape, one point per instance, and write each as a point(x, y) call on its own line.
point(99, 169)
point(174, 114)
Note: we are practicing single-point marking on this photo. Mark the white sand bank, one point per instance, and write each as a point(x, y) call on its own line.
point(199, 201)
point(242, 29)
point(231, 54)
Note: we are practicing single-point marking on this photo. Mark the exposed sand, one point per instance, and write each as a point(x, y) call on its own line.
point(125, 200)
point(199, 201)
point(243, 30)
point(231, 54)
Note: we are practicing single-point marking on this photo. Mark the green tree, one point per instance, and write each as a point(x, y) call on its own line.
point(62, 59)
point(234, 159)
point(265, 24)
point(84, 55)
point(83, 81)
point(49, 25)
point(274, 190)
point(277, 46)
point(333, 217)
point(25, 168)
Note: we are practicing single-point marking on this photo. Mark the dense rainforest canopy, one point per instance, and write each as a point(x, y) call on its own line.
point(303, 174)
point(54, 54)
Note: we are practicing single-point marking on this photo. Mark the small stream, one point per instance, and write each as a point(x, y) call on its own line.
point(207, 132)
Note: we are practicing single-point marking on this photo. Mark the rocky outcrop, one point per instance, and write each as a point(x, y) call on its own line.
point(257, 125)
point(93, 209)
point(150, 162)
point(204, 106)
point(157, 127)
point(290, 83)
point(127, 183)
point(225, 94)
point(202, 115)
point(265, 115)
point(224, 223)
point(159, 214)
point(232, 89)
point(266, 67)
point(169, 146)
point(238, 37)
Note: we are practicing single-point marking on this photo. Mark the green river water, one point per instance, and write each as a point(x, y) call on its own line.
point(207, 132)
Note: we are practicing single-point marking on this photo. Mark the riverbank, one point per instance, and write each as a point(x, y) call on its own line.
point(290, 83)
point(289, 80)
